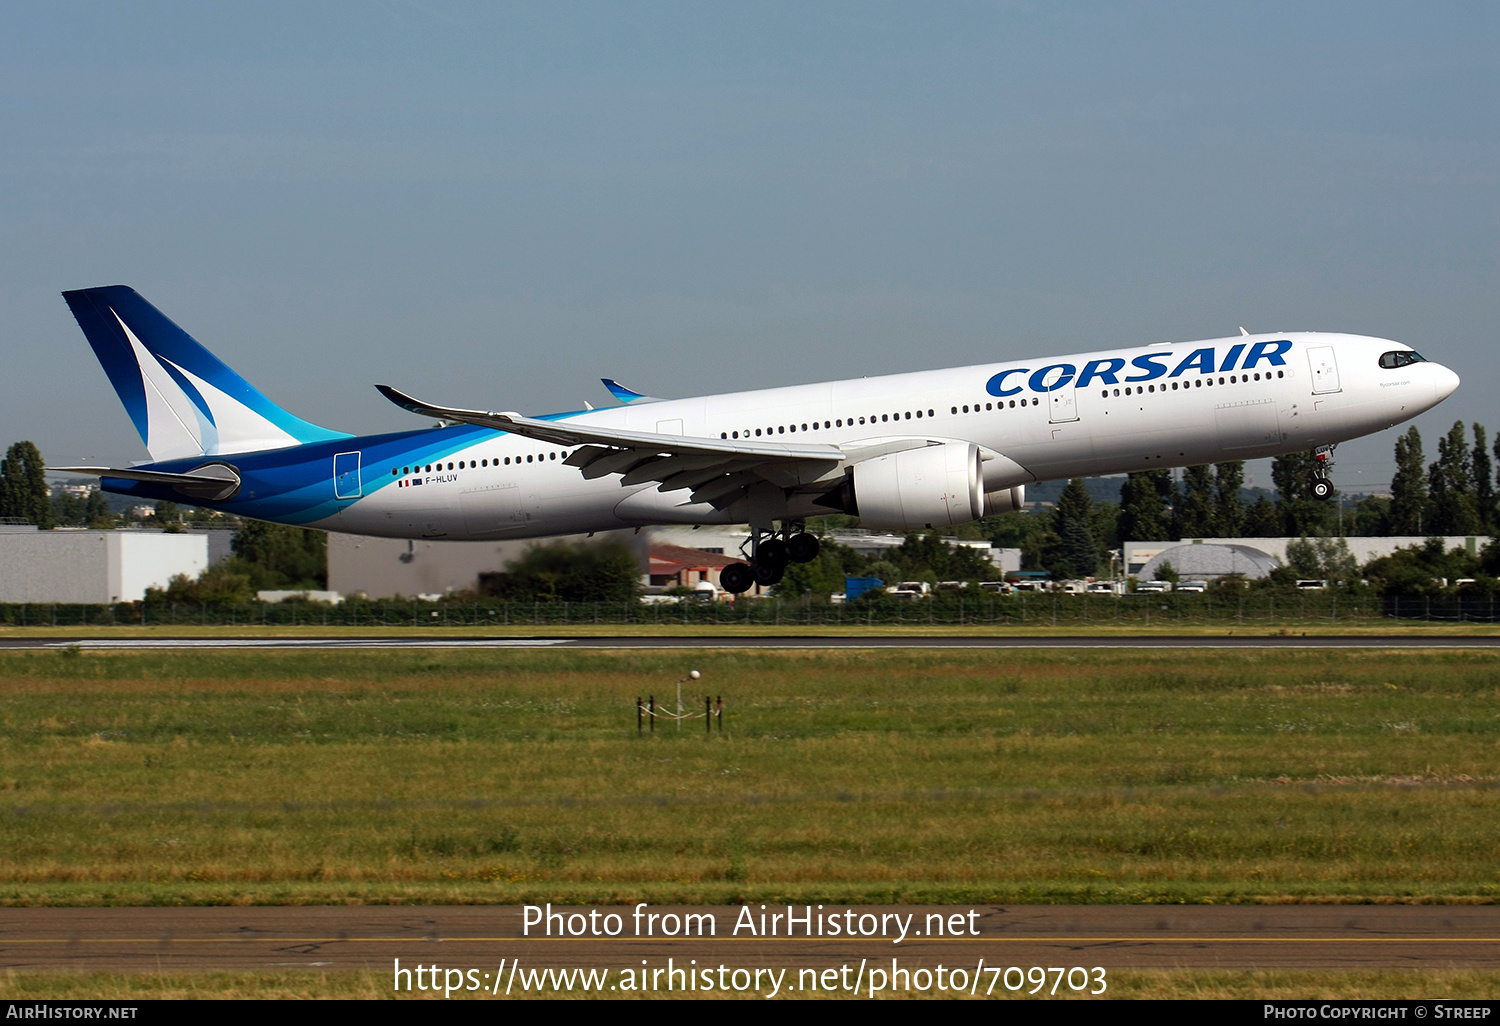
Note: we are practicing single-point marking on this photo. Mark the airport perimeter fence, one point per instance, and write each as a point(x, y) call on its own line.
point(1310, 608)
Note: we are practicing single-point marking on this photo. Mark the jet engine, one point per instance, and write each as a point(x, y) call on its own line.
point(1005, 500)
point(934, 486)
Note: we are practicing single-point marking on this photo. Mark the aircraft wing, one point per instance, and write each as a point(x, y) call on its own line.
point(717, 470)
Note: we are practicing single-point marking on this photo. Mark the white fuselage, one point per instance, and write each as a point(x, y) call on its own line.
point(1142, 408)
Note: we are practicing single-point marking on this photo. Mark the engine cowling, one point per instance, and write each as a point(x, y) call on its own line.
point(1005, 500)
point(934, 486)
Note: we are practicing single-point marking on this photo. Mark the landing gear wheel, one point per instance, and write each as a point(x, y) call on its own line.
point(736, 578)
point(802, 548)
point(766, 574)
point(1321, 488)
point(772, 552)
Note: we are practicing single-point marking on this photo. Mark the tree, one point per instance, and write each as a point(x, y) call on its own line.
point(1262, 520)
point(279, 556)
point(96, 512)
point(1408, 486)
point(928, 556)
point(23, 486)
point(1324, 559)
point(1017, 529)
point(169, 517)
point(1300, 515)
point(1143, 511)
point(1195, 513)
point(1229, 512)
point(823, 576)
point(1484, 482)
point(1075, 554)
point(598, 572)
point(67, 511)
point(223, 584)
point(1450, 486)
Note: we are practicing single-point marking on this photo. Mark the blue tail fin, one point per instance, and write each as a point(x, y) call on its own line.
point(182, 399)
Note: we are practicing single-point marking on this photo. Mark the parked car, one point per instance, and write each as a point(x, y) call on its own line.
point(1152, 587)
point(1194, 586)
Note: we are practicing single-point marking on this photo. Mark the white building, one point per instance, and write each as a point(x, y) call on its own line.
point(386, 567)
point(93, 566)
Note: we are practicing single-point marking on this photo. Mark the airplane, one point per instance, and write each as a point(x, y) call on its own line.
point(904, 452)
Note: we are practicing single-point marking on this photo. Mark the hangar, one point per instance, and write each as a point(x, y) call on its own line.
point(93, 566)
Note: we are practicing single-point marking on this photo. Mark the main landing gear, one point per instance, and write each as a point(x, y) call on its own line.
point(770, 552)
point(1321, 487)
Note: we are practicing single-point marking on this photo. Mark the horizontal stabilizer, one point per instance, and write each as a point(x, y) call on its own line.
point(212, 482)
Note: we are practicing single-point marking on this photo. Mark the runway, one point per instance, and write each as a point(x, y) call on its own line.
point(478, 937)
point(739, 641)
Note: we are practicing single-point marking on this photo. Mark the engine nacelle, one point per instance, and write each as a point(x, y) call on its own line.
point(934, 486)
point(1005, 500)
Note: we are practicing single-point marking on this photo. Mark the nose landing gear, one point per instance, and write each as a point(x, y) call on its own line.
point(1321, 486)
point(770, 552)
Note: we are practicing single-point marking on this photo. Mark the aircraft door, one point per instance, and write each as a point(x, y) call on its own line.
point(346, 483)
point(1325, 369)
point(1062, 404)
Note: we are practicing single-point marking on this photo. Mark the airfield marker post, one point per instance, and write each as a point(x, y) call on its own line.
point(639, 717)
point(652, 708)
point(720, 716)
point(708, 717)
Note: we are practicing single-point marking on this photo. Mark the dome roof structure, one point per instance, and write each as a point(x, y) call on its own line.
point(1207, 562)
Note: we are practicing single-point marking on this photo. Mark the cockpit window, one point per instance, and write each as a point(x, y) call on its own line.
point(1400, 358)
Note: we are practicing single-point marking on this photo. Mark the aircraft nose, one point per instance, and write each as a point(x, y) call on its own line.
point(1444, 382)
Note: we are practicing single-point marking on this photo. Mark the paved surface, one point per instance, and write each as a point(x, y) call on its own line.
point(726, 641)
point(478, 937)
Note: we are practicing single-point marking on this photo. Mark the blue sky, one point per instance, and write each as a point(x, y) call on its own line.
point(495, 205)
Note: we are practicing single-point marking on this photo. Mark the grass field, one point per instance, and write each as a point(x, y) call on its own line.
point(875, 776)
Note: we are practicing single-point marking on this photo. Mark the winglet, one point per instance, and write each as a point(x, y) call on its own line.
point(626, 395)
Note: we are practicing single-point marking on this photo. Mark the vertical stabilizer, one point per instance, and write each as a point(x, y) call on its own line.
point(182, 399)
